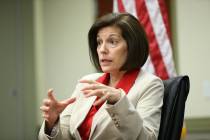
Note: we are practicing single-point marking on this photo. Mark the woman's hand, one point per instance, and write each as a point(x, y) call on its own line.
point(52, 108)
point(93, 88)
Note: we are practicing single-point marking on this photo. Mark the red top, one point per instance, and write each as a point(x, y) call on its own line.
point(125, 83)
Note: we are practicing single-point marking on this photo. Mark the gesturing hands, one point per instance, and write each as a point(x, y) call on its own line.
point(52, 108)
point(93, 88)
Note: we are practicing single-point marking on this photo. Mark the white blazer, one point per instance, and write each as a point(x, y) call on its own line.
point(136, 116)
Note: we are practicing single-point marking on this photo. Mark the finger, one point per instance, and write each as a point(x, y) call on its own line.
point(88, 81)
point(45, 116)
point(86, 91)
point(89, 87)
point(44, 108)
point(46, 102)
point(100, 100)
point(92, 87)
point(97, 92)
point(50, 95)
point(68, 101)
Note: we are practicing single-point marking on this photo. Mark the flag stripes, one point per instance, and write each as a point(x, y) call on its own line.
point(155, 22)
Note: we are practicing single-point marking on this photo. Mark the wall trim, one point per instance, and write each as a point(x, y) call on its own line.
point(198, 124)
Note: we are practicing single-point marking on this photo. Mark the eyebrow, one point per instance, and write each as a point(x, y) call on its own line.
point(112, 34)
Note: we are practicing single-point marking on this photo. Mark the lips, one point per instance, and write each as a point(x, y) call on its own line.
point(105, 61)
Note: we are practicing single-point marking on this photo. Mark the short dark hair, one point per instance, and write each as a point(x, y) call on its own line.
point(132, 32)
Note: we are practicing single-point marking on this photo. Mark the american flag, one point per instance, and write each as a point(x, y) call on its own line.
point(153, 16)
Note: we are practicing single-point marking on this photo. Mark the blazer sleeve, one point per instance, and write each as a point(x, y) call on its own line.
point(140, 122)
point(61, 131)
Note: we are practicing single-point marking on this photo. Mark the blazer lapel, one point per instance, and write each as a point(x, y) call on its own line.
point(100, 115)
point(79, 113)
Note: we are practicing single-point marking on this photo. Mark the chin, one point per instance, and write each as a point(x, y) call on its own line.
point(106, 70)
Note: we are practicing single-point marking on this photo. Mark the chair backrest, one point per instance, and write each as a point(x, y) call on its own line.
point(175, 95)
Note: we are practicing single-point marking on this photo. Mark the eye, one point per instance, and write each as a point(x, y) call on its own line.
point(99, 42)
point(113, 42)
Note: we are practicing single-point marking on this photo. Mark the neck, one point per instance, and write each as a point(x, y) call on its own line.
point(115, 78)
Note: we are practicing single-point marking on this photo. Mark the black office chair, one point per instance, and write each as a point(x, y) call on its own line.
point(175, 95)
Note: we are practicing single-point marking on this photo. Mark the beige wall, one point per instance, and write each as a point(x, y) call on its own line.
point(191, 34)
point(17, 79)
point(62, 47)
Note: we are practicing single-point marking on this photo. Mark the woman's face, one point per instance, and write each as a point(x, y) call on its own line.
point(111, 49)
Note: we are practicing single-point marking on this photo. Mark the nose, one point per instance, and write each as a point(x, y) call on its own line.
point(102, 48)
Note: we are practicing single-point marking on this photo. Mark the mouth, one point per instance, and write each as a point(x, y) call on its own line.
point(105, 61)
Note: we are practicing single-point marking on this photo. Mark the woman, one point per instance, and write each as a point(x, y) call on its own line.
point(122, 102)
